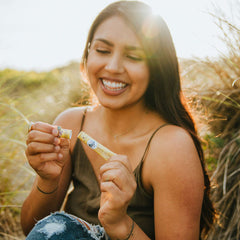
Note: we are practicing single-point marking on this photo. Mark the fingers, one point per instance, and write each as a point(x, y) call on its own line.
point(42, 139)
point(44, 127)
point(38, 136)
point(113, 193)
point(117, 185)
point(46, 151)
point(116, 174)
point(123, 160)
point(37, 160)
point(117, 161)
point(46, 133)
point(43, 132)
point(38, 147)
point(64, 144)
point(118, 192)
point(119, 172)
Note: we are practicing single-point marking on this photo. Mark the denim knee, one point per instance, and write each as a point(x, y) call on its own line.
point(62, 226)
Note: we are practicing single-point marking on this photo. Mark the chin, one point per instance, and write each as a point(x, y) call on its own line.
point(111, 106)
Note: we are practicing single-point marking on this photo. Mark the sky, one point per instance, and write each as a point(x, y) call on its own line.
point(41, 35)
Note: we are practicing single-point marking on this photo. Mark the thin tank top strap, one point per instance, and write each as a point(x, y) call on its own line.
point(83, 118)
point(150, 139)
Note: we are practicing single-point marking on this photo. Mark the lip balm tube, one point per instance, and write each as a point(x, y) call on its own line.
point(96, 146)
point(64, 133)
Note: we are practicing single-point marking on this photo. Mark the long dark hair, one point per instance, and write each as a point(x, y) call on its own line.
point(164, 94)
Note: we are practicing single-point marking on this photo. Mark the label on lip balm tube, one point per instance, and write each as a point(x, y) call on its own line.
point(64, 133)
point(96, 146)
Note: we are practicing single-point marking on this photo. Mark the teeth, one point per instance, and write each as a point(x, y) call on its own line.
point(114, 86)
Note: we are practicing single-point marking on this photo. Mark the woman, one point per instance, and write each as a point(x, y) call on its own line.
point(156, 187)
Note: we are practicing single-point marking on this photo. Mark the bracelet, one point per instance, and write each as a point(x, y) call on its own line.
point(131, 231)
point(40, 190)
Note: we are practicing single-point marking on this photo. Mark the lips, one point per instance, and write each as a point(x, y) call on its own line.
point(113, 87)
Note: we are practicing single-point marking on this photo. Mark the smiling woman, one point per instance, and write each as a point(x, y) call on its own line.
point(116, 64)
point(156, 185)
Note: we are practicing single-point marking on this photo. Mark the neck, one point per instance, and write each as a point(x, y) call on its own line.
point(122, 122)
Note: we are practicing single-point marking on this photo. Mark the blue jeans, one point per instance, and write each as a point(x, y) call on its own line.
point(62, 226)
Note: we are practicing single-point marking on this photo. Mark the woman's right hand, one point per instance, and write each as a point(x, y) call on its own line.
point(46, 152)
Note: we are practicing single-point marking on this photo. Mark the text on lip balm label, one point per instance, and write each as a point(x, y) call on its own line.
point(92, 144)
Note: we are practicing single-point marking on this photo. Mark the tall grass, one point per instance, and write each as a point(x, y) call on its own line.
point(216, 94)
point(24, 97)
point(226, 101)
point(227, 193)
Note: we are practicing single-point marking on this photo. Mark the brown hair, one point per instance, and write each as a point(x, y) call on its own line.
point(164, 94)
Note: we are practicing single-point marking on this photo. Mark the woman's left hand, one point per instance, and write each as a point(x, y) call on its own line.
point(118, 186)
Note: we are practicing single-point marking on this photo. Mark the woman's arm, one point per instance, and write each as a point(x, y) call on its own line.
point(118, 186)
point(50, 158)
point(38, 205)
point(177, 181)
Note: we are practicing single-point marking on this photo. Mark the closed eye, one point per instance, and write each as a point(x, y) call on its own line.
point(102, 51)
point(135, 58)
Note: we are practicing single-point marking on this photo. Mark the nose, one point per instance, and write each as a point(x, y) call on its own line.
point(115, 64)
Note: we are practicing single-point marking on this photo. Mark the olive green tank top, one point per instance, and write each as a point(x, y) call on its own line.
point(84, 200)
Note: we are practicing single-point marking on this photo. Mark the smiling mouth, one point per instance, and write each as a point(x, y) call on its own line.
point(113, 85)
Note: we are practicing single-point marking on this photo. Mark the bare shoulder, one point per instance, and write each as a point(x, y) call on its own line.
point(174, 173)
point(70, 117)
point(172, 142)
point(173, 155)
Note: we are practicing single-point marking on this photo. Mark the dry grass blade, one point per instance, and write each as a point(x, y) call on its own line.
point(8, 236)
point(227, 193)
point(16, 110)
point(23, 96)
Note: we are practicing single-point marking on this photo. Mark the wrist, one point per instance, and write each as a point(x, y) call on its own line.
point(47, 186)
point(130, 234)
point(121, 230)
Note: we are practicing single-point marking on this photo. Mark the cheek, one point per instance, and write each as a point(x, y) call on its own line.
point(91, 73)
point(141, 76)
point(93, 64)
point(90, 66)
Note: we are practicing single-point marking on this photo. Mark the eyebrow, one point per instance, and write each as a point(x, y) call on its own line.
point(111, 44)
point(104, 41)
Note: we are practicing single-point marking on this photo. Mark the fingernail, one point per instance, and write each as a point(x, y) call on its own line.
point(56, 141)
point(55, 132)
point(60, 156)
point(57, 148)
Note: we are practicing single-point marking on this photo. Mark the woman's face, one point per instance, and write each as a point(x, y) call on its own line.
point(116, 65)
